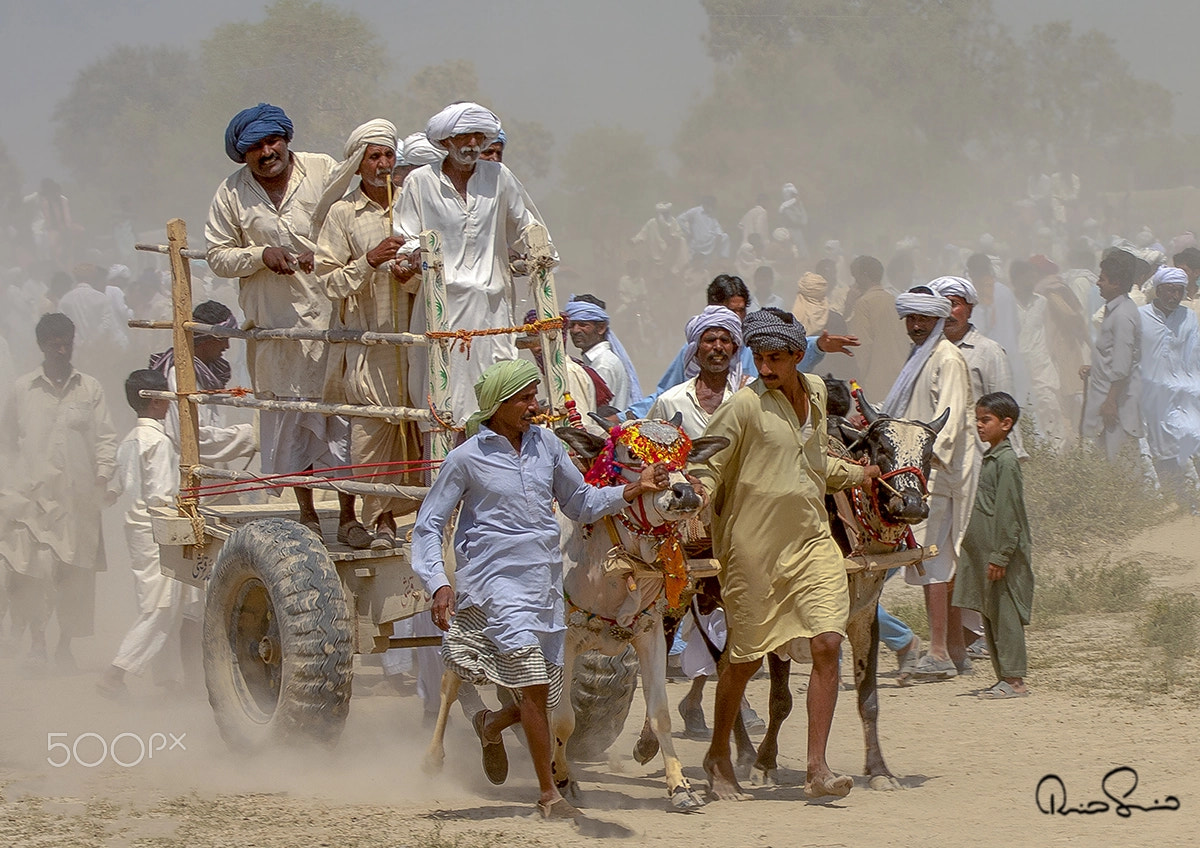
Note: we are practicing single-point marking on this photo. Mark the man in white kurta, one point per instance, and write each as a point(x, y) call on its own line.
point(259, 231)
point(935, 379)
point(1170, 375)
point(479, 208)
point(1112, 413)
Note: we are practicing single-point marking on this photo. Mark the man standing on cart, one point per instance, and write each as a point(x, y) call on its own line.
point(481, 211)
point(259, 231)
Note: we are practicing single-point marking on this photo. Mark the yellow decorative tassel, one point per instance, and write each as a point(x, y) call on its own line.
point(670, 556)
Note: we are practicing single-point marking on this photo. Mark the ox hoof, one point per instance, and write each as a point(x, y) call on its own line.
point(685, 800)
point(884, 783)
point(432, 764)
point(645, 749)
point(567, 788)
point(763, 776)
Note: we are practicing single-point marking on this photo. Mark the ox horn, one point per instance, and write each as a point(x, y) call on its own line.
point(603, 422)
point(677, 419)
point(938, 423)
point(868, 412)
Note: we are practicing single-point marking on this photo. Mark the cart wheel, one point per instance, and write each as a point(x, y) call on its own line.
point(278, 649)
point(601, 693)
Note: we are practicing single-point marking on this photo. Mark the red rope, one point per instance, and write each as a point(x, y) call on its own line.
point(406, 466)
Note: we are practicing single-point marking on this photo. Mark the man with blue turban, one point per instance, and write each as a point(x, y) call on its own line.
point(590, 330)
point(481, 211)
point(260, 232)
point(503, 617)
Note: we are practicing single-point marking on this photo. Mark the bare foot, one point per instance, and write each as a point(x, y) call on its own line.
point(828, 783)
point(722, 783)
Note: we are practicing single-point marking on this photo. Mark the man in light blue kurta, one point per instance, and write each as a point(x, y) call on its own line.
point(507, 605)
point(1171, 382)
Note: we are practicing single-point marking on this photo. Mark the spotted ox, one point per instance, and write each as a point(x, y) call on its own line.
point(867, 523)
point(619, 575)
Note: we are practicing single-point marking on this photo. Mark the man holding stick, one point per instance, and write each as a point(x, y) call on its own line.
point(355, 253)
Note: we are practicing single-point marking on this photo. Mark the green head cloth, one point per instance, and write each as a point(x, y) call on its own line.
point(496, 385)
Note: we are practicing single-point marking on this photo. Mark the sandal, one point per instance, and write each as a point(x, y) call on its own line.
point(354, 535)
point(1001, 691)
point(559, 808)
point(908, 659)
point(495, 758)
point(385, 539)
point(931, 668)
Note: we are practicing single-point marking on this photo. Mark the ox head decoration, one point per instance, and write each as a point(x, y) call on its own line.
point(903, 451)
point(619, 459)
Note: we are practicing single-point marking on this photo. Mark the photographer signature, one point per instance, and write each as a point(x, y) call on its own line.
point(1117, 786)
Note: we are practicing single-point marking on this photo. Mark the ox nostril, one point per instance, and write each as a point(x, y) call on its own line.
point(680, 490)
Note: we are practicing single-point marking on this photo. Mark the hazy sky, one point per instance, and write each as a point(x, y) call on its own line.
point(605, 56)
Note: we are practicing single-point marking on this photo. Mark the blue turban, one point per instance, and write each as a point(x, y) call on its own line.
point(582, 310)
point(501, 138)
point(250, 126)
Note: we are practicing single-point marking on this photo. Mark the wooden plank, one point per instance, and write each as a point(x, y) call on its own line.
point(433, 289)
point(545, 301)
point(395, 414)
point(185, 364)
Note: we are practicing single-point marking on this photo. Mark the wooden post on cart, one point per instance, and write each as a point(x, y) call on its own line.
point(545, 302)
point(433, 289)
point(185, 363)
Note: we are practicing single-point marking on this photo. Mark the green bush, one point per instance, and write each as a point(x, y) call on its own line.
point(1077, 589)
point(1171, 623)
point(1076, 498)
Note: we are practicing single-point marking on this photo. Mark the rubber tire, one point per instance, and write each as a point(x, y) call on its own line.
point(274, 578)
point(601, 692)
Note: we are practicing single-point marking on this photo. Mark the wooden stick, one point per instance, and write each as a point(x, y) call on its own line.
point(395, 414)
point(350, 487)
point(185, 363)
point(262, 333)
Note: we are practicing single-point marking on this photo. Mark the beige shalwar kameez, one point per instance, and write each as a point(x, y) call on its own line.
point(784, 577)
point(367, 375)
point(242, 223)
point(945, 382)
point(60, 449)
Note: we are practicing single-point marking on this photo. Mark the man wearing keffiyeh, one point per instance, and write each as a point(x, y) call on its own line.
point(936, 378)
point(784, 579)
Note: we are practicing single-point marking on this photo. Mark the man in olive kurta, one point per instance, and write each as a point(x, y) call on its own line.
point(784, 578)
point(995, 576)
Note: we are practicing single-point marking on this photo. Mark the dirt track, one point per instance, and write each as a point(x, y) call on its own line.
point(970, 767)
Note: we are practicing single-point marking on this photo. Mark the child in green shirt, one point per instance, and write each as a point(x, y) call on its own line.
point(995, 575)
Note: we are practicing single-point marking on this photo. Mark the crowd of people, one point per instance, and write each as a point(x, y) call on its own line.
point(1098, 345)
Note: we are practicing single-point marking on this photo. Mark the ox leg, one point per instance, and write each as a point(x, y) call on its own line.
point(863, 631)
point(562, 722)
point(646, 747)
point(652, 659)
point(435, 755)
point(766, 767)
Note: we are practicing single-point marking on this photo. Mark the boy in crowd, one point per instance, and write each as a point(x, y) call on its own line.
point(148, 468)
point(994, 572)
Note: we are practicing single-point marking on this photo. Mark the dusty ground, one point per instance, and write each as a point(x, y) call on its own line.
point(970, 768)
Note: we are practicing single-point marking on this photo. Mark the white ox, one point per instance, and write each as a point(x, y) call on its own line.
point(615, 575)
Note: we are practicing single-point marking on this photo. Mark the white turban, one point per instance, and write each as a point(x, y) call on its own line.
point(713, 317)
point(1166, 275)
point(663, 207)
point(375, 131)
point(947, 286)
point(919, 303)
point(462, 118)
point(916, 303)
point(419, 150)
